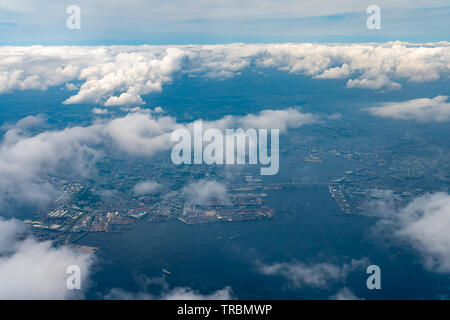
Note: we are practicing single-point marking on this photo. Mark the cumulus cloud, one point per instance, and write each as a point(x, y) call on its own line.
point(179, 293)
point(159, 109)
point(8, 231)
point(37, 270)
point(368, 66)
point(206, 191)
point(376, 83)
point(344, 294)
point(320, 275)
point(146, 132)
point(26, 158)
point(70, 86)
point(142, 133)
point(189, 294)
point(99, 111)
point(161, 291)
point(146, 187)
point(121, 75)
point(279, 119)
point(27, 123)
point(423, 223)
point(436, 109)
point(138, 72)
point(334, 116)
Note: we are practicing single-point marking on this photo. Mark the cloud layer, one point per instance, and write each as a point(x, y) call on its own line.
point(121, 75)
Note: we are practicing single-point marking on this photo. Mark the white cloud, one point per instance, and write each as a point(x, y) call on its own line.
point(162, 292)
point(141, 133)
point(27, 123)
point(99, 111)
point(424, 224)
point(379, 82)
point(280, 119)
point(25, 158)
point(37, 270)
point(320, 275)
point(146, 187)
point(178, 293)
point(205, 191)
point(189, 294)
point(158, 109)
point(366, 65)
point(71, 87)
point(8, 231)
point(423, 110)
point(344, 294)
point(130, 73)
point(334, 116)
point(120, 75)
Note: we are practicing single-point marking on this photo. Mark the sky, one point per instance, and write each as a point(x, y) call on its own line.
point(27, 22)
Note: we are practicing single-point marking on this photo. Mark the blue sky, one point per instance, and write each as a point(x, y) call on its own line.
point(26, 22)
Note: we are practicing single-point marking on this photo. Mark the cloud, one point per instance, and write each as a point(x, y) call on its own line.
point(27, 123)
point(319, 275)
point(25, 159)
point(179, 293)
point(423, 223)
point(206, 191)
point(142, 133)
point(146, 132)
point(37, 270)
point(146, 187)
point(423, 110)
point(334, 116)
point(159, 109)
point(280, 119)
point(70, 86)
point(8, 231)
point(99, 111)
point(377, 83)
point(106, 194)
point(368, 66)
point(138, 72)
point(189, 294)
point(161, 291)
point(121, 75)
point(344, 294)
